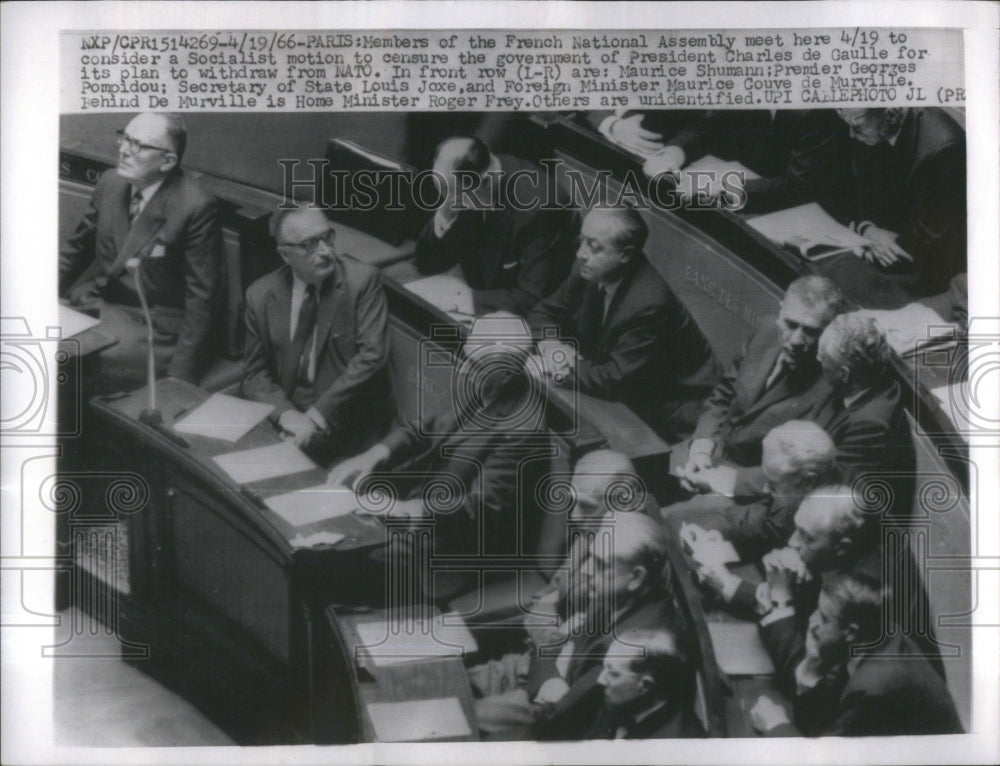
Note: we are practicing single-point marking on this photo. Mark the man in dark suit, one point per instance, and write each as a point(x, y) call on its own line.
point(884, 688)
point(799, 456)
point(800, 155)
point(649, 689)
point(474, 465)
point(147, 209)
point(317, 344)
point(634, 341)
point(909, 168)
point(553, 686)
point(513, 248)
point(773, 379)
point(861, 407)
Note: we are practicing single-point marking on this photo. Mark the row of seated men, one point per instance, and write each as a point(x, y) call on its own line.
point(317, 348)
point(896, 176)
point(619, 661)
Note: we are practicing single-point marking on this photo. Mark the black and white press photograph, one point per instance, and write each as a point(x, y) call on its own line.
point(400, 379)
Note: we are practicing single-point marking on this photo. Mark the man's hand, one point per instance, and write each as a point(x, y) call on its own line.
point(628, 132)
point(411, 509)
point(352, 471)
point(719, 580)
point(551, 691)
point(790, 562)
point(700, 455)
point(766, 714)
point(669, 160)
point(299, 426)
point(85, 296)
point(883, 247)
point(721, 479)
point(779, 584)
point(558, 360)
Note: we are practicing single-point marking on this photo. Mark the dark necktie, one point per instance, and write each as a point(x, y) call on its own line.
point(296, 369)
point(134, 205)
point(592, 321)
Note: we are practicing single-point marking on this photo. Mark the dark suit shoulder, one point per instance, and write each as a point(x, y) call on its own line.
point(192, 191)
point(265, 284)
point(648, 289)
point(937, 129)
point(357, 273)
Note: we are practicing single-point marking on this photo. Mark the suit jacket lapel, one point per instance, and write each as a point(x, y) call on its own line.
point(279, 309)
point(145, 227)
point(335, 312)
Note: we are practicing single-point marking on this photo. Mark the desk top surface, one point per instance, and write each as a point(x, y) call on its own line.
point(176, 398)
point(429, 680)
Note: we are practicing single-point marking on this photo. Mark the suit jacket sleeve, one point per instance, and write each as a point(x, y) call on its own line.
point(371, 355)
point(202, 254)
point(861, 445)
point(785, 643)
point(631, 352)
point(79, 250)
point(433, 254)
point(557, 310)
point(808, 162)
point(716, 411)
point(760, 528)
point(258, 382)
point(694, 139)
point(543, 246)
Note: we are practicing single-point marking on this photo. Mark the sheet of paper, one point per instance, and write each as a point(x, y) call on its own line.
point(447, 292)
point(392, 643)
point(954, 399)
point(914, 323)
point(307, 506)
point(261, 463)
point(739, 650)
point(809, 229)
point(223, 417)
point(713, 164)
point(316, 538)
point(712, 552)
point(418, 720)
point(73, 322)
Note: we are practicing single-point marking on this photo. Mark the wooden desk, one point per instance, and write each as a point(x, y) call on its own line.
point(413, 680)
point(211, 583)
point(728, 698)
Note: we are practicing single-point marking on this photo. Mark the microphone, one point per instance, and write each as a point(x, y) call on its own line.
point(150, 416)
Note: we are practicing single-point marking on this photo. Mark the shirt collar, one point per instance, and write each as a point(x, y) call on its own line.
point(149, 191)
point(849, 400)
point(640, 717)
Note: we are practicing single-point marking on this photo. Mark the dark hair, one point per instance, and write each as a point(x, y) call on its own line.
point(631, 230)
point(177, 133)
point(476, 157)
point(858, 600)
point(667, 657)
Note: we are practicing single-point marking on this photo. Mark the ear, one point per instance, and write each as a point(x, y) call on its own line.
point(169, 162)
point(628, 253)
point(851, 631)
point(646, 683)
point(638, 577)
point(842, 547)
point(845, 373)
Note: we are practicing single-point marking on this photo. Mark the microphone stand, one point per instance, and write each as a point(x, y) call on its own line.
point(150, 416)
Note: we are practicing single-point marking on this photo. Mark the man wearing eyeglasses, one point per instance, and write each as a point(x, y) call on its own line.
point(317, 344)
point(146, 208)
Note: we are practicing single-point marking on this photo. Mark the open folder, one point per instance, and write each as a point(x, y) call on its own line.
point(810, 231)
point(418, 720)
point(281, 459)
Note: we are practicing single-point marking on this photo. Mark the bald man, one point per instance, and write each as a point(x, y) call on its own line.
point(491, 222)
point(478, 450)
point(147, 209)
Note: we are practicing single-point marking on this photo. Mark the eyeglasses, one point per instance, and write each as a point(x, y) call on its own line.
point(310, 245)
point(133, 144)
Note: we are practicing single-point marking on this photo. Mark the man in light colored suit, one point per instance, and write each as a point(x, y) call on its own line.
point(317, 344)
point(147, 209)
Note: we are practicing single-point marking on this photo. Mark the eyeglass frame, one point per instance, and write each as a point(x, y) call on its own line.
point(124, 138)
point(308, 246)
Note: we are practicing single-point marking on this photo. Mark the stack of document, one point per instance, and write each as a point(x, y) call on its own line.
point(394, 641)
point(281, 459)
point(810, 231)
point(223, 417)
